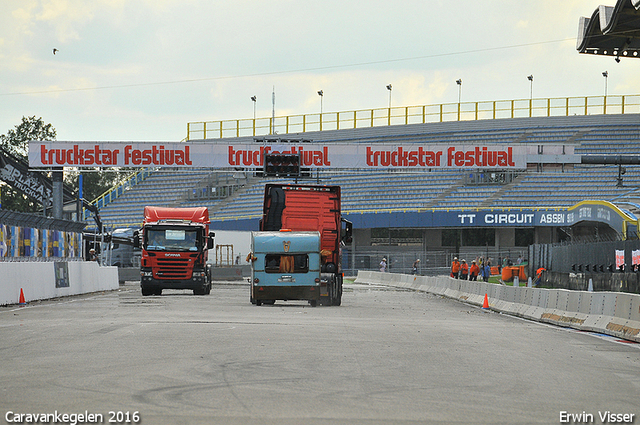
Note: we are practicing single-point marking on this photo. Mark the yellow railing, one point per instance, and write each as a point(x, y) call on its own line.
point(465, 111)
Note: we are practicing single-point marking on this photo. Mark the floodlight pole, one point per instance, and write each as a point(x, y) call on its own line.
point(389, 87)
point(459, 83)
point(321, 94)
point(530, 78)
point(254, 99)
point(605, 74)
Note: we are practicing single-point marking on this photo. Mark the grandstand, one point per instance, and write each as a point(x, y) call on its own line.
point(233, 195)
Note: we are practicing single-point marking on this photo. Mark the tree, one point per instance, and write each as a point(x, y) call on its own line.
point(16, 142)
point(95, 181)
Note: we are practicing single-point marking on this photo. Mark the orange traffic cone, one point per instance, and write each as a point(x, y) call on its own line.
point(485, 304)
point(21, 301)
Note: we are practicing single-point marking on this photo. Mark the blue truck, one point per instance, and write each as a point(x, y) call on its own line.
point(310, 208)
point(286, 265)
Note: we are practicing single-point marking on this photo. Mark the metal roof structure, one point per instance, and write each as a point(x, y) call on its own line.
point(15, 218)
point(611, 31)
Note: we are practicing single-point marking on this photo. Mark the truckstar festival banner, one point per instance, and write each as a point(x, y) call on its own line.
point(46, 154)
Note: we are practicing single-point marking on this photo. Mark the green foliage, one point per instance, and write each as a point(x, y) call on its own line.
point(16, 141)
point(13, 200)
point(95, 181)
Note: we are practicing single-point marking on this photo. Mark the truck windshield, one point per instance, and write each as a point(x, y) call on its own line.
point(172, 240)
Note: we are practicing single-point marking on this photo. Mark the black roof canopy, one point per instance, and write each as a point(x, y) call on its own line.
point(611, 31)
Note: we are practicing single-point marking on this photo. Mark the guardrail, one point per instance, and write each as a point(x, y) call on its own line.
point(464, 111)
point(610, 313)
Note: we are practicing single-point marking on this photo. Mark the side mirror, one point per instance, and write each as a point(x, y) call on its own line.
point(348, 231)
point(136, 239)
point(210, 240)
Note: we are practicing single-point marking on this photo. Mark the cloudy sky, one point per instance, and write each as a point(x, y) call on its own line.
point(140, 70)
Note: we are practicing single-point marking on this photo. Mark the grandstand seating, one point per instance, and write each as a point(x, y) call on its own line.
point(384, 190)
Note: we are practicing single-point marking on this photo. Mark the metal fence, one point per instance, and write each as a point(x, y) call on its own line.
point(432, 263)
point(595, 257)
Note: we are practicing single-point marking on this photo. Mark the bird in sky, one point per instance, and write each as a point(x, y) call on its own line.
point(55, 50)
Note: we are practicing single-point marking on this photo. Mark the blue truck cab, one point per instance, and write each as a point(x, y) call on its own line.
point(285, 265)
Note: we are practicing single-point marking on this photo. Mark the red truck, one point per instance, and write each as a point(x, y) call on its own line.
point(175, 244)
point(308, 208)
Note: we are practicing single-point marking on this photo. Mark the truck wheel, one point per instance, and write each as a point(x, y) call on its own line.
point(146, 292)
point(258, 303)
point(313, 303)
point(157, 291)
point(337, 300)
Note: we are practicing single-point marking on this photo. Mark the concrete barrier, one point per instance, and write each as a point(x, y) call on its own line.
point(38, 280)
point(128, 274)
point(239, 272)
point(611, 313)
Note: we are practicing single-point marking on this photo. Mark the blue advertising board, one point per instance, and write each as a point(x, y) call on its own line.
point(586, 211)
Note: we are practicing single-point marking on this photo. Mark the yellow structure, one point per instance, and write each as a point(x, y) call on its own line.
point(465, 111)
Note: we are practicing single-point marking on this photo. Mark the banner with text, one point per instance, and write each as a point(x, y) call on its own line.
point(313, 155)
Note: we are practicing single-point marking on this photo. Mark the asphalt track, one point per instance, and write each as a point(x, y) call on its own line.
point(385, 356)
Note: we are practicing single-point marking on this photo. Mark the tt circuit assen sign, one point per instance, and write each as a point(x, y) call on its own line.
point(586, 211)
point(45, 154)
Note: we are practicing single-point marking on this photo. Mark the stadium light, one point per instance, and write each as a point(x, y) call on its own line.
point(254, 99)
point(605, 74)
point(321, 94)
point(389, 88)
point(530, 78)
point(459, 83)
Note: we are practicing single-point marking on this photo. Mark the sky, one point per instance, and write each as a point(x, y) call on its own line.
point(140, 70)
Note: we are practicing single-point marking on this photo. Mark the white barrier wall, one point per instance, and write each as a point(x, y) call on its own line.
point(38, 280)
point(611, 313)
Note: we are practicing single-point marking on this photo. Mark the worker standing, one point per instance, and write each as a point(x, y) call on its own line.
point(455, 268)
point(464, 270)
point(473, 271)
point(416, 263)
point(383, 265)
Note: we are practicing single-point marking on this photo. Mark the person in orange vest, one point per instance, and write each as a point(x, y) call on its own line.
point(464, 270)
point(473, 271)
point(538, 278)
point(455, 268)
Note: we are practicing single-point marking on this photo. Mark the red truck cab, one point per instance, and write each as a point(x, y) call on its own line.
point(175, 244)
point(311, 208)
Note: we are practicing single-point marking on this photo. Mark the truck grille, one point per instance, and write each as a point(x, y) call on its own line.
point(174, 268)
